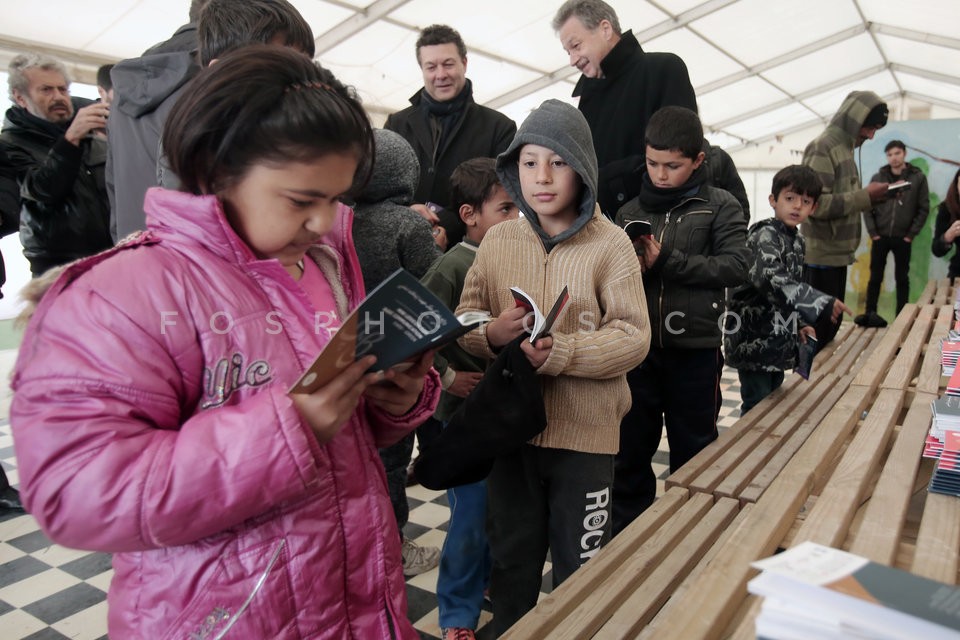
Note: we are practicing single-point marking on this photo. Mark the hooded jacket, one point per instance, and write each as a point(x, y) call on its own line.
point(389, 235)
point(64, 213)
point(152, 421)
point(756, 339)
point(832, 231)
point(145, 91)
point(903, 215)
point(604, 331)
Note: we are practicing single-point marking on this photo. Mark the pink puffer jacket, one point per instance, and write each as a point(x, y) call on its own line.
point(151, 420)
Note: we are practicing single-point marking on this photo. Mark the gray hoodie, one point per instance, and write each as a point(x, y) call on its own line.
point(561, 128)
point(387, 233)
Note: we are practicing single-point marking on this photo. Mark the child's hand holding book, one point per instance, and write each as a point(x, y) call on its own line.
point(398, 389)
point(329, 407)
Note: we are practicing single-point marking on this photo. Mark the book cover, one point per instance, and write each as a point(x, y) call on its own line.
point(862, 592)
point(397, 321)
point(542, 324)
point(805, 354)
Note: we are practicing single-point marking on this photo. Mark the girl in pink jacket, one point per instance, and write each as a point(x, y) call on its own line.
point(151, 413)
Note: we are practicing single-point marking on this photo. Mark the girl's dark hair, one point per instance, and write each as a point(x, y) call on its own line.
point(262, 104)
point(953, 198)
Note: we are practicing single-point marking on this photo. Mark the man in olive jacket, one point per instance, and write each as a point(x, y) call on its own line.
point(832, 232)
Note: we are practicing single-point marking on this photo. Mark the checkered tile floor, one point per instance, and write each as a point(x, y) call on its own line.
point(48, 592)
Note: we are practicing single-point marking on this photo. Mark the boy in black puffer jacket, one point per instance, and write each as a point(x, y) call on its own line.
point(697, 248)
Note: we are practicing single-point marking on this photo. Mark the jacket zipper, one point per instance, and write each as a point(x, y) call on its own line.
point(663, 232)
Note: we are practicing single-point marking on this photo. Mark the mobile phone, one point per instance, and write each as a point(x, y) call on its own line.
point(638, 228)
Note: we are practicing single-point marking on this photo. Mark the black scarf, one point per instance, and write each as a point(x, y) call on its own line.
point(446, 113)
point(657, 199)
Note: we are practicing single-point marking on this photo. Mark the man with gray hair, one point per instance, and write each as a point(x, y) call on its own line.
point(621, 87)
point(57, 145)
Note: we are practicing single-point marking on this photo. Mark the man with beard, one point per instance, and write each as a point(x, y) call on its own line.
point(58, 148)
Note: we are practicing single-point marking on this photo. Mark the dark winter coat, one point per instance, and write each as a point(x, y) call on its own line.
point(703, 251)
point(617, 107)
point(903, 215)
point(387, 233)
point(64, 212)
point(480, 133)
point(940, 247)
point(763, 307)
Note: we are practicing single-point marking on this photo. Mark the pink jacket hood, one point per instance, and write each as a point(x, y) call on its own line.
point(151, 420)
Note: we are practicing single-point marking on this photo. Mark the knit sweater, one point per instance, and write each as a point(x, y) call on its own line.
point(603, 333)
point(833, 230)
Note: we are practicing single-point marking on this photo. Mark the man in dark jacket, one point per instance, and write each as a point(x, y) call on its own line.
point(621, 87)
point(894, 223)
point(444, 125)
point(57, 146)
point(9, 216)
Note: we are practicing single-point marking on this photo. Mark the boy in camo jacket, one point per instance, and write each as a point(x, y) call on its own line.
point(775, 309)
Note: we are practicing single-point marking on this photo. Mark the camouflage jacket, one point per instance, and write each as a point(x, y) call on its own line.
point(764, 314)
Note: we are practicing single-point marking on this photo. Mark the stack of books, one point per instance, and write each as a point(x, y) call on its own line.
point(946, 417)
point(946, 477)
point(813, 591)
point(949, 352)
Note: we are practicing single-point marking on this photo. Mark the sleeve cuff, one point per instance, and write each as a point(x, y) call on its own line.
point(447, 378)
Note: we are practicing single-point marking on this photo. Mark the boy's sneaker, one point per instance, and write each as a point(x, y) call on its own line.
point(417, 559)
point(458, 633)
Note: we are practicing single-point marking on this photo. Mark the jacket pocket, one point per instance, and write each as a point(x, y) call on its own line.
point(248, 595)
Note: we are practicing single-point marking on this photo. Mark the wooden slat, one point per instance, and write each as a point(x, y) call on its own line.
point(683, 476)
point(594, 610)
point(828, 521)
point(938, 541)
point(676, 598)
point(713, 597)
point(926, 296)
point(866, 342)
point(878, 536)
point(873, 370)
point(765, 477)
point(905, 364)
point(794, 404)
point(552, 609)
point(631, 616)
point(942, 295)
point(930, 370)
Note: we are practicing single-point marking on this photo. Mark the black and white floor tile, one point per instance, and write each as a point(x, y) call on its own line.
point(48, 592)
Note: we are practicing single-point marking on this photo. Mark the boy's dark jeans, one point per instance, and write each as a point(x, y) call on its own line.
point(757, 385)
point(676, 387)
point(901, 270)
point(833, 282)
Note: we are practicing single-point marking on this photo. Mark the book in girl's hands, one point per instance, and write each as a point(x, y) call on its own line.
point(805, 356)
point(541, 323)
point(396, 322)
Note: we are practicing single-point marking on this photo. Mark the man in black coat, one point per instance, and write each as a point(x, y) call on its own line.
point(58, 147)
point(445, 126)
point(621, 87)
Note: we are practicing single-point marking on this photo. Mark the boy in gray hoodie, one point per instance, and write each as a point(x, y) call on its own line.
point(554, 492)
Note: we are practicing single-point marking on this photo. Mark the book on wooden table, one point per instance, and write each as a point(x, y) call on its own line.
point(946, 475)
point(541, 324)
point(842, 595)
point(397, 322)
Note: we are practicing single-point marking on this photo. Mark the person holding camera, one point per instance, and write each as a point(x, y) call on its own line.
point(893, 224)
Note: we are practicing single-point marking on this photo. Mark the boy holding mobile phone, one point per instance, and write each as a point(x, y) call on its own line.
point(775, 310)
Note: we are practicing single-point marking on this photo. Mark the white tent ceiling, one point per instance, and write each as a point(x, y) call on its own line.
point(761, 68)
